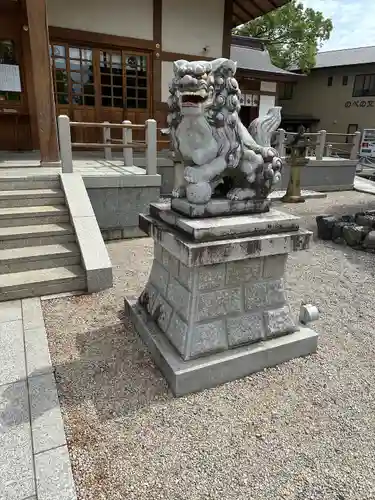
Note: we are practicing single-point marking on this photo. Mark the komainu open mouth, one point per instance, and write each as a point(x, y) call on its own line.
point(193, 99)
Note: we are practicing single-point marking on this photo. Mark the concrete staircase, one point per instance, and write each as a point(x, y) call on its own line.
point(39, 254)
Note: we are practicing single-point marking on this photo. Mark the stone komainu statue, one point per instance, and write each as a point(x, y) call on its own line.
point(210, 142)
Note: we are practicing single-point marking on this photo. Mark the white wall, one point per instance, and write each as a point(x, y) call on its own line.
point(166, 78)
point(128, 18)
point(265, 103)
point(268, 86)
point(190, 25)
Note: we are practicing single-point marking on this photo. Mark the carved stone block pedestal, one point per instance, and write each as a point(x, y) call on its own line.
point(214, 308)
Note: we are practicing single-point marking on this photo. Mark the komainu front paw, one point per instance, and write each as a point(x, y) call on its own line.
point(239, 194)
point(194, 175)
point(179, 192)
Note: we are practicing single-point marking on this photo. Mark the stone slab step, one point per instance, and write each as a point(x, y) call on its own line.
point(31, 197)
point(17, 260)
point(22, 216)
point(36, 283)
point(20, 182)
point(36, 235)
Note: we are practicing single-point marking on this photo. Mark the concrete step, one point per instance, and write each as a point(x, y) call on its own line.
point(42, 282)
point(23, 216)
point(20, 182)
point(36, 235)
point(16, 260)
point(31, 197)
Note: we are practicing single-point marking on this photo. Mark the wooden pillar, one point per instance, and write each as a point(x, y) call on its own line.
point(227, 28)
point(42, 79)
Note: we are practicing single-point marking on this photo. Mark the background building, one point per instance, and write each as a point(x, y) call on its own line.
point(98, 60)
point(338, 95)
point(257, 76)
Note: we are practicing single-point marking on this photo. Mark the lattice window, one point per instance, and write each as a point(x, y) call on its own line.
point(124, 80)
point(73, 75)
point(111, 79)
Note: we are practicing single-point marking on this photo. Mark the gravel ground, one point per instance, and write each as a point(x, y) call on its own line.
point(303, 430)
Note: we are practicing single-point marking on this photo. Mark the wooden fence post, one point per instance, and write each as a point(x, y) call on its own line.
point(106, 140)
point(65, 141)
point(356, 145)
point(320, 147)
point(127, 138)
point(151, 145)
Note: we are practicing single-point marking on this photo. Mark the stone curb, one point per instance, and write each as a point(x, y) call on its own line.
point(53, 474)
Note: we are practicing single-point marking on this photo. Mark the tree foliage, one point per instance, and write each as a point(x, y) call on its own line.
point(292, 34)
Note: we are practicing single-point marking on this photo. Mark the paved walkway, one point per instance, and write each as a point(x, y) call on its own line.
point(34, 458)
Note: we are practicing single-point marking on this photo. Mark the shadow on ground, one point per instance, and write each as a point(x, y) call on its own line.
point(114, 372)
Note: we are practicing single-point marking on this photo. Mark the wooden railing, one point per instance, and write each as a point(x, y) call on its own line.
point(320, 146)
point(126, 143)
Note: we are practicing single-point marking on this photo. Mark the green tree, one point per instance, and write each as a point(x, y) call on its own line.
point(292, 34)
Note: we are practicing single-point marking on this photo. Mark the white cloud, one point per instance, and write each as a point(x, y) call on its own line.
point(353, 22)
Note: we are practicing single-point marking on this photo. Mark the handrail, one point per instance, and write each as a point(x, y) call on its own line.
point(321, 146)
point(126, 143)
point(107, 125)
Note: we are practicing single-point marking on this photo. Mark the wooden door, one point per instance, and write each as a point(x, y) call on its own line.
point(94, 84)
point(15, 131)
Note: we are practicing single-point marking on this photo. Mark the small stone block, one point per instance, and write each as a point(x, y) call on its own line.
point(279, 322)
point(46, 420)
point(158, 252)
point(177, 332)
point(241, 271)
point(245, 329)
point(159, 277)
point(264, 294)
point(274, 266)
point(148, 297)
point(209, 337)
point(161, 313)
point(210, 277)
point(179, 298)
point(186, 276)
point(170, 263)
point(218, 303)
point(54, 475)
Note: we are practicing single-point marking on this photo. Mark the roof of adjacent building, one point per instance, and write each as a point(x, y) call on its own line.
point(344, 57)
point(246, 10)
point(250, 54)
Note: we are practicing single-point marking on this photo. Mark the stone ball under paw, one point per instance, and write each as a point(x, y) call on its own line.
point(199, 193)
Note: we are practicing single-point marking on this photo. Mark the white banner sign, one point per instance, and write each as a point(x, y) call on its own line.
point(10, 80)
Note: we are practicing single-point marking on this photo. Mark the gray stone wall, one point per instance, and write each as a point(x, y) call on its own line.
point(212, 308)
point(117, 209)
point(326, 175)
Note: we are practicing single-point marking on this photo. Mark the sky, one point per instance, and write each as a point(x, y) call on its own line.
point(353, 22)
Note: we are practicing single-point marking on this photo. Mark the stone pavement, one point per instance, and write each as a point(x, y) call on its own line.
point(34, 458)
point(364, 185)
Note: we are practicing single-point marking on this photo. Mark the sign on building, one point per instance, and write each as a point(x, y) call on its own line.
point(368, 143)
point(10, 80)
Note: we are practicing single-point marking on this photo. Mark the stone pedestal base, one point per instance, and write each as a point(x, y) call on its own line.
point(185, 377)
point(214, 311)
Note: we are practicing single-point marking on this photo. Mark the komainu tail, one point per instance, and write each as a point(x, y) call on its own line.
point(262, 128)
